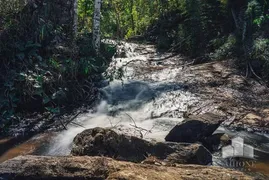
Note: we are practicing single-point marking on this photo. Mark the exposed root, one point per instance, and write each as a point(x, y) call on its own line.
point(253, 72)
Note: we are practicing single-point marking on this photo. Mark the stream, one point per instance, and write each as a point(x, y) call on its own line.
point(147, 107)
point(147, 102)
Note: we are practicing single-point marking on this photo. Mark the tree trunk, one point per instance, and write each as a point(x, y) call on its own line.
point(132, 15)
point(96, 26)
point(75, 16)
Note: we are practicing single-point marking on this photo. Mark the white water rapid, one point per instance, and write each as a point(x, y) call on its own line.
point(146, 105)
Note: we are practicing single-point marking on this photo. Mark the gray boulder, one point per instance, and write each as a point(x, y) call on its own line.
point(195, 128)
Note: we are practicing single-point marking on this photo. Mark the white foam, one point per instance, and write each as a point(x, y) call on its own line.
point(139, 106)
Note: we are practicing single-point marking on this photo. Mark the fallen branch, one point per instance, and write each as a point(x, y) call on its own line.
point(73, 118)
point(78, 124)
point(190, 63)
point(110, 122)
point(136, 60)
point(140, 128)
point(62, 124)
point(149, 131)
point(198, 109)
point(131, 119)
point(162, 59)
point(177, 45)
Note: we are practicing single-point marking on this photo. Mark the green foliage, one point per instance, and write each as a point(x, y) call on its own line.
point(226, 50)
point(222, 28)
point(259, 21)
point(260, 53)
point(261, 50)
point(190, 26)
point(122, 18)
point(41, 69)
point(251, 19)
point(7, 11)
point(53, 79)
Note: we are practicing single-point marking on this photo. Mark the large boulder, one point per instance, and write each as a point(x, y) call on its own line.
point(195, 128)
point(102, 168)
point(106, 142)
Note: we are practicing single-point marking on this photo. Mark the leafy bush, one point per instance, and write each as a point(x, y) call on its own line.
point(51, 80)
point(226, 50)
point(261, 49)
point(260, 54)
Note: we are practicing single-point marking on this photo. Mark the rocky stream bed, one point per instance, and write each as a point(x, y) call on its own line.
point(164, 114)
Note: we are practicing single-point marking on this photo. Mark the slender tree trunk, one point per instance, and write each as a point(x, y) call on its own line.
point(118, 24)
point(235, 19)
point(132, 15)
point(96, 26)
point(75, 16)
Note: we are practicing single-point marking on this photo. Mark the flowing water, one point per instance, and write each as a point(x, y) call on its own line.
point(145, 103)
point(133, 105)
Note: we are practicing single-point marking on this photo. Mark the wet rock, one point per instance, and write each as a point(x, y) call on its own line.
point(106, 142)
point(252, 119)
point(195, 128)
point(216, 141)
point(121, 53)
point(181, 153)
point(101, 168)
point(13, 147)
